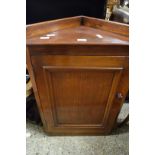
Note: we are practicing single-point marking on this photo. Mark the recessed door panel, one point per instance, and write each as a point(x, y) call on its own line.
point(80, 96)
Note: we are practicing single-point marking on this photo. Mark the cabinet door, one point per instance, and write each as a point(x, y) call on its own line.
point(76, 97)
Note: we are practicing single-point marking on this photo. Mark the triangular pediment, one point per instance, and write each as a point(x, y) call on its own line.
point(78, 30)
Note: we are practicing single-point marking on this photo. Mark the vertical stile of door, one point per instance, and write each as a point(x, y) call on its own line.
point(112, 94)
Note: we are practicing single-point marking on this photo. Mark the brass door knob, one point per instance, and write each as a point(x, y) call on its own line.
point(119, 95)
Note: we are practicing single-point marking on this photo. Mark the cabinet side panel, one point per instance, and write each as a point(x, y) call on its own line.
point(35, 90)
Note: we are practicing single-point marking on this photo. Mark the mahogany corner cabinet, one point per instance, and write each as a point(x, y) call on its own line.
point(79, 72)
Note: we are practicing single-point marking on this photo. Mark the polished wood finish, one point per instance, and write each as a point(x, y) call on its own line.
point(79, 73)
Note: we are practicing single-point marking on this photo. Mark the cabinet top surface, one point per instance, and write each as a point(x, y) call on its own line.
point(77, 30)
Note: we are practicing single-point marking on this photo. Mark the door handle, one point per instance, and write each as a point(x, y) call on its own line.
point(119, 95)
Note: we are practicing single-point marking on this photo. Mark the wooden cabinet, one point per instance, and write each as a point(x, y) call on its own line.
point(79, 72)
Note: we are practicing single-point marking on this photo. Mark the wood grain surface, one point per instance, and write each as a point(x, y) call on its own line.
point(77, 70)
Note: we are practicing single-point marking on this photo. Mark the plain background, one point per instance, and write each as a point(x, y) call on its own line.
point(43, 10)
point(13, 87)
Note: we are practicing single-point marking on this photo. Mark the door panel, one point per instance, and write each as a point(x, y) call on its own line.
point(79, 95)
point(75, 95)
